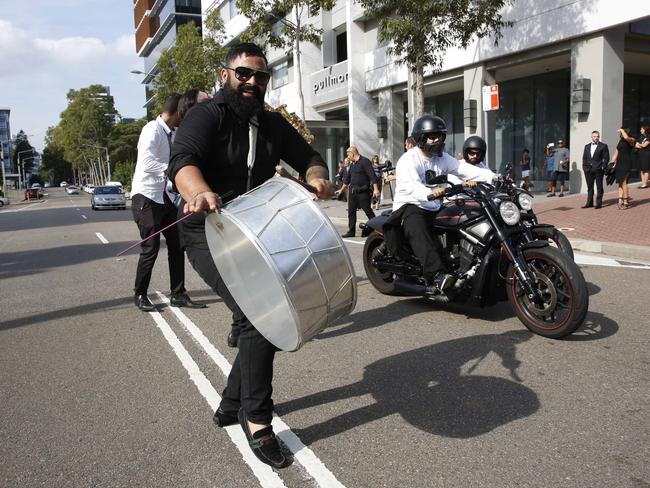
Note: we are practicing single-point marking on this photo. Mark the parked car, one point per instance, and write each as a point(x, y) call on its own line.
point(63, 184)
point(72, 190)
point(4, 201)
point(89, 188)
point(107, 197)
point(32, 194)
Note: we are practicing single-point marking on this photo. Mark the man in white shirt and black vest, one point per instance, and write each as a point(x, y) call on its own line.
point(153, 208)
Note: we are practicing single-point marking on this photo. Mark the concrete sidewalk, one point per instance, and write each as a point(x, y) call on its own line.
point(610, 231)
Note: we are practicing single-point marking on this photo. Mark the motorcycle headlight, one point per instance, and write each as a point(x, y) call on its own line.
point(525, 201)
point(509, 213)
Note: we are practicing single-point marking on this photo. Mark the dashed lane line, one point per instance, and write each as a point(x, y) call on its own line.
point(101, 238)
point(266, 476)
point(305, 456)
point(84, 217)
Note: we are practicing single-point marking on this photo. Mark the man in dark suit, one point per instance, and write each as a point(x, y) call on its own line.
point(594, 160)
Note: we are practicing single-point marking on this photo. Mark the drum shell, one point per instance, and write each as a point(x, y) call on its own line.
point(283, 262)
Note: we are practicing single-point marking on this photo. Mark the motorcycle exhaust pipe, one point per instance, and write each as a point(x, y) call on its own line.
point(409, 288)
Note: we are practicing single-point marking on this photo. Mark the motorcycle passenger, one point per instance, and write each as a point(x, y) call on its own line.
point(474, 150)
point(415, 204)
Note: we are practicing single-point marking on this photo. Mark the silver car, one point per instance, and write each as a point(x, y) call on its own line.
point(107, 197)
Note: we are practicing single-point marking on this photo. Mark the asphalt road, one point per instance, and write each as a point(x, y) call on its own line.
point(95, 393)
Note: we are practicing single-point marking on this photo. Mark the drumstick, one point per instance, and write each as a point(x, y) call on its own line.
point(279, 169)
point(225, 195)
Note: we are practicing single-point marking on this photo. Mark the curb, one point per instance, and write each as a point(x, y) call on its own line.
point(612, 249)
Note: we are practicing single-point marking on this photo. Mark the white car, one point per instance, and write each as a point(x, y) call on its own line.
point(72, 190)
point(63, 184)
point(4, 201)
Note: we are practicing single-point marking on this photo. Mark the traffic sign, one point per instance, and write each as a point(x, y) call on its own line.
point(490, 98)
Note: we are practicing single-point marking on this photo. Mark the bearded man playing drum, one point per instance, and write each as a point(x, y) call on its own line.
point(231, 144)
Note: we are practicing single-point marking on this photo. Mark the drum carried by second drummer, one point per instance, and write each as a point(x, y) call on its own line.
point(283, 261)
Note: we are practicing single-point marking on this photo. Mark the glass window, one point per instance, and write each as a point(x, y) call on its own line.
point(281, 73)
point(341, 47)
point(450, 108)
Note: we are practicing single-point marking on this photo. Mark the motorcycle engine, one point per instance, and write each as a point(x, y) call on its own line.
point(467, 253)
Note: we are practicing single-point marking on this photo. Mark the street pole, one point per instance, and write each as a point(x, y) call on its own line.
point(2, 162)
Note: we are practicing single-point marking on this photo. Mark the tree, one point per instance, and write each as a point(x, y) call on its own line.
point(193, 62)
point(265, 14)
point(54, 167)
point(421, 31)
point(123, 150)
point(19, 151)
point(86, 122)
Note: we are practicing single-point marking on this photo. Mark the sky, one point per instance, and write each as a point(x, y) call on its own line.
point(48, 47)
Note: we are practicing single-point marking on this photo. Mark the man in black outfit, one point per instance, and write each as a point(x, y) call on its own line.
point(230, 144)
point(360, 180)
point(153, 210)
point(594, 160)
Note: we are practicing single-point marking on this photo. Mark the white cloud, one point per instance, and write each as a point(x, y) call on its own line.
point(37, 72)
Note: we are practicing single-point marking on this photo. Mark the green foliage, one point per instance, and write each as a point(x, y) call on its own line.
point(123, 150)
point(87, 121)
point(54, 167)
point(193, 62)
point(123, 172)
point(21, 144)
point(265, 14)
point(421, 31)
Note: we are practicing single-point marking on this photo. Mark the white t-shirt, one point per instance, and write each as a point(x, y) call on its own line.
point(410, 186)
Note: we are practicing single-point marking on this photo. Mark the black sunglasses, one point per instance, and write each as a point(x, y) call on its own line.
point(244, 74)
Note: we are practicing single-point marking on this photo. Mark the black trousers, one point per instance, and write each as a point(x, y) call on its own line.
point(250, 383)
point(150, 218)
point(358, 201)
point(418, 230)
point(592, 177)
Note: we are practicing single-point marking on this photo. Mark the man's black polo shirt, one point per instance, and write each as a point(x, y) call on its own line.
point(360, 174)
point(213, 138)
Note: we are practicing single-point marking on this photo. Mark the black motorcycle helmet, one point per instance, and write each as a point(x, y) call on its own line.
point(478, 144)
point(424, 127)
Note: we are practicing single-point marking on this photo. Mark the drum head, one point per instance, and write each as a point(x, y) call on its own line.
point(283, 262)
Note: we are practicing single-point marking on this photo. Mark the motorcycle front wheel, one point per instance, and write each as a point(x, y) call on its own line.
point(562, 287)
point(555, 238)
point(382, 281)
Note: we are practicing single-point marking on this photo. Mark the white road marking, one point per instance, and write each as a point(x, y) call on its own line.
point(305, 456)
point(101, 238)
point(77, 209)
point(354, 242)
point(84, 217)
point(266, 476)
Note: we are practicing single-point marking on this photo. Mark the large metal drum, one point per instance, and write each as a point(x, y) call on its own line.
point(283, 262)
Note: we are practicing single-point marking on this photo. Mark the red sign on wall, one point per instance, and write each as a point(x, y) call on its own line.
point(490, 98)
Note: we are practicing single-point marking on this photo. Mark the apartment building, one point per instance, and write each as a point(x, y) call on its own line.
point(563, 69)
point(156, 23)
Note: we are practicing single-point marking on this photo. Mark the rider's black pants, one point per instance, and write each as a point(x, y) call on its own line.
point(418, 230)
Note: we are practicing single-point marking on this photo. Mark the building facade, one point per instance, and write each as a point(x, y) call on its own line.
point(563, 69)
point(156, 23)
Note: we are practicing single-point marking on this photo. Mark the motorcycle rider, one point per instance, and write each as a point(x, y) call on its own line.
point(474, 150)
point(415, 204)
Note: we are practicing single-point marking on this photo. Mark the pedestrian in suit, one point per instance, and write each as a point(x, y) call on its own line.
point(594, 160)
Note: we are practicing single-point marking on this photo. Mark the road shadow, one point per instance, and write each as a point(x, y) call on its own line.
point(595, 327)
point(377, 317)
point(106, 305)
point(432, 390)
point(593, 289)
point(43, 218)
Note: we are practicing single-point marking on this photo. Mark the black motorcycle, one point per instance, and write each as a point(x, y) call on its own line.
point(493, 256)
point(524, 200)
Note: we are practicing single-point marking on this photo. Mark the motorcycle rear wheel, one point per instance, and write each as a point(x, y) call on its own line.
point(382, 281)
point(556, 238)
point(560, 283)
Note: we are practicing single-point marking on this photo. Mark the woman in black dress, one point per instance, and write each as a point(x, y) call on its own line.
point(644, 155)
point(623, 164)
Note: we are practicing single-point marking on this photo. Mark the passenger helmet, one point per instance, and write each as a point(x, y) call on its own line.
point(426, 125)
point(477, 143)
